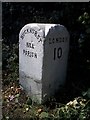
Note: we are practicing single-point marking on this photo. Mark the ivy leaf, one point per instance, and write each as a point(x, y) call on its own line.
point(43, 115)
point(29, 101)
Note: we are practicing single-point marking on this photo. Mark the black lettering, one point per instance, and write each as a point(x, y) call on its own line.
point(31, 54)
point(22, 36)
point(54, 53)
point(35, 55)
point(25, 31)
point(59, 52)
point(27, 44)
point(38, 36)
point(30, 45)
point(35, 33)
point(28, 53)
point(53, 40)
point(40, 40)
point(56, 39)
point(33, 46)
point(31, 31)
point(23, 51)
point(63, 39)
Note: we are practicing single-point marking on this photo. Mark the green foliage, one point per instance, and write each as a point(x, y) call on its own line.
point(29, 101)
point(10, 63)
point(78, 109)
point(73, 110)
point(43, 115)
point(87, 93)
point(84, 45)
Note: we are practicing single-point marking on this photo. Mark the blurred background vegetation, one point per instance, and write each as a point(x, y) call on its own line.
point(74, 16)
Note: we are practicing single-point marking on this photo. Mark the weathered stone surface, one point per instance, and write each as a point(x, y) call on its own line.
point(43, 54)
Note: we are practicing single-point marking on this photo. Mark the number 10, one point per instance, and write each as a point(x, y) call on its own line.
point(57, 53)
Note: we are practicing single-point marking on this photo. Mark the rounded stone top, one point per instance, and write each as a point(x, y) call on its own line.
point(46, 27)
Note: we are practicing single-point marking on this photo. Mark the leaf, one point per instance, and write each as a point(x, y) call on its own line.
point(87, 93)
point(17, 95)
point(43, 115)
point(16, 100)
point(29, 101)
point(84, 93)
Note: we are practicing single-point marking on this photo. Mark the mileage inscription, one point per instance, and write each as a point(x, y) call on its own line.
point(29, 53)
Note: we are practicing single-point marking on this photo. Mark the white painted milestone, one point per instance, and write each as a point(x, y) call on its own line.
point(43, 56)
